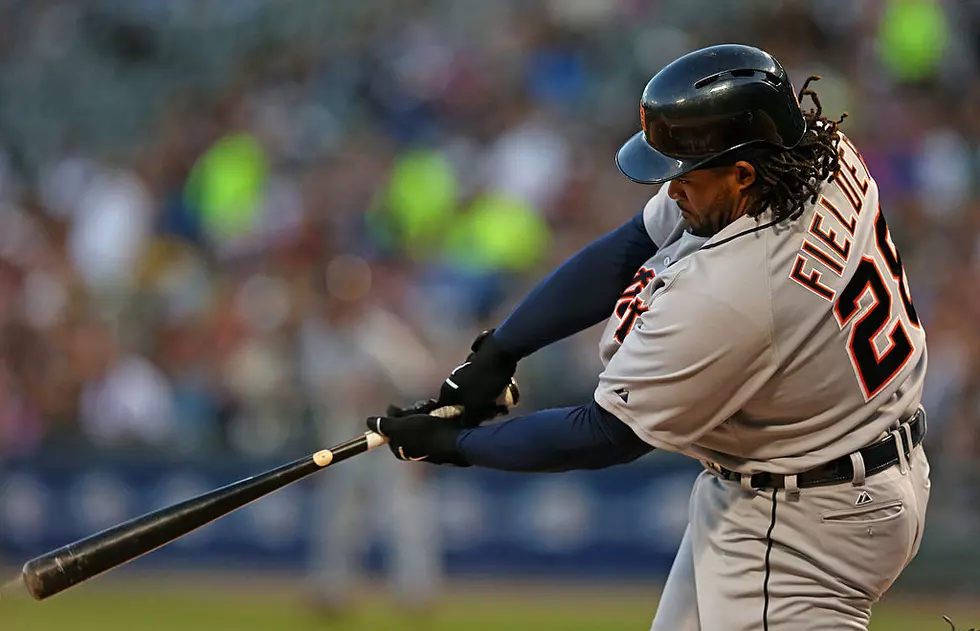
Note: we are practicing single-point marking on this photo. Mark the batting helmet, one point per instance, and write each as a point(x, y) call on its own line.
point(707, 104)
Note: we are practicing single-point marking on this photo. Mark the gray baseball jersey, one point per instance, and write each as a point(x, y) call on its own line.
point(768, 347)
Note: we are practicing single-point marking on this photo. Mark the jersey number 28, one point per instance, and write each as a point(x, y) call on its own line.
point(876, 369)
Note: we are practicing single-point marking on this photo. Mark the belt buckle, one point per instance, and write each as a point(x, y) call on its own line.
point(905, 430)
point(722, 472)
point(713, 466)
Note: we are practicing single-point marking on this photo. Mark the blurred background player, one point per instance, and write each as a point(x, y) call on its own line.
point(355, 352)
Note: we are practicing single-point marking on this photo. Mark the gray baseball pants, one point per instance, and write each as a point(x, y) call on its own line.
point(764, 560)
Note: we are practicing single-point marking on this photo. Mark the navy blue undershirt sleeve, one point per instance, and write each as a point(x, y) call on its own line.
point(581, 292)
point(554, 440)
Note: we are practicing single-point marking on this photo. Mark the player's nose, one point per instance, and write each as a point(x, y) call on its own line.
point(675, 191)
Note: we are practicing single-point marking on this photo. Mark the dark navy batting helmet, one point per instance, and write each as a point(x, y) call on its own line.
point(706, 105)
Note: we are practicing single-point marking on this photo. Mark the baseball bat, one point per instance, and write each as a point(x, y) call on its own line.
point(67, 566)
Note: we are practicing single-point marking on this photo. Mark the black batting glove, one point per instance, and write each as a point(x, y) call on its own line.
point(419, 407)
point(479, 381)
point(421, 437)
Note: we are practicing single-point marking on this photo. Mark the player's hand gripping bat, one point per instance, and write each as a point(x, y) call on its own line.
point(65, 567)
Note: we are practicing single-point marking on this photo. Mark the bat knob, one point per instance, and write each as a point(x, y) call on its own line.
point(44, 576)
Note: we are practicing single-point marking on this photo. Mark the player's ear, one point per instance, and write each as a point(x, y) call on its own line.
point(744, 175)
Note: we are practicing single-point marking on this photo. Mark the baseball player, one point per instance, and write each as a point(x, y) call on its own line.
point(758, 320)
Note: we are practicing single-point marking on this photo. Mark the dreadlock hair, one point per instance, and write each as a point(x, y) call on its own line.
point(787, 179)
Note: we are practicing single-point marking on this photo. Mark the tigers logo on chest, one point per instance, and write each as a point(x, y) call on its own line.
point(630, 305)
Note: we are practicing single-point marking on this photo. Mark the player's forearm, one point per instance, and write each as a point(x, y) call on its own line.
point(549, 441)
point(580, 293)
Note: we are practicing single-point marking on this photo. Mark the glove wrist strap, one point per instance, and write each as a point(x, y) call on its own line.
point(495, 353)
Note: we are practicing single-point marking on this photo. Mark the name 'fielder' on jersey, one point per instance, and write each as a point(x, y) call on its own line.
point(759, 320)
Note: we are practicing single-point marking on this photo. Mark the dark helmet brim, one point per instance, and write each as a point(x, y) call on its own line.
point(643, 164)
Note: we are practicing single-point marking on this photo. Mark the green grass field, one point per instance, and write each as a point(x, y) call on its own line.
point(219, 605)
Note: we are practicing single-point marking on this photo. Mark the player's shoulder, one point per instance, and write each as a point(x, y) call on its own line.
point(732, 267)
point(661, 216)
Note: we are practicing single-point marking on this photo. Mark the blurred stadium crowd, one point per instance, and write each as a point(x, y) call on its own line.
point(237, 226)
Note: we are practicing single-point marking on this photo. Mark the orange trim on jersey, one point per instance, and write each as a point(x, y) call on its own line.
point(834, 266)
point(899, 327)
point(867, 312)
point(639, 282)
point(628, 319)
point(829, 237)
point(863, 186)
point(811, 282)
point(826, 203)
point(893, 261)
point(630, 306)
point(850, 144)
point(853, 309)
point(847, 188)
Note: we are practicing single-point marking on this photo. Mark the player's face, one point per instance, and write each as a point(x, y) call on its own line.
point(710, 199)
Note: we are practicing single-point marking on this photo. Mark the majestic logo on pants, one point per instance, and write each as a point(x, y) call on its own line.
point(863, 498)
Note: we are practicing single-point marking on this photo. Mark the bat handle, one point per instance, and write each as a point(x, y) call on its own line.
point(364, 443)
point(368, 441)
point(371, 440)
